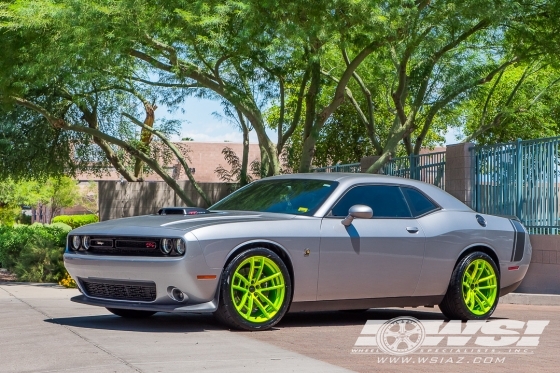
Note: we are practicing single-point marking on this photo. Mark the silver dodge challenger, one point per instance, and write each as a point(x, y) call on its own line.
point(303, 242)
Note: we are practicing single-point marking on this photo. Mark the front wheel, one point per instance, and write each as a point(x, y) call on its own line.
point(255, 290)
point(130, 314)
point(474, 288)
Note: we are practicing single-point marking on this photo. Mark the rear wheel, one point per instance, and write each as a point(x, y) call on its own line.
point(473, 291)
point(255, 290)
point(130, 314)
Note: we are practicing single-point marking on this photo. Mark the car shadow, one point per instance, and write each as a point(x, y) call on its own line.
point(196, 323)
point(158, 323)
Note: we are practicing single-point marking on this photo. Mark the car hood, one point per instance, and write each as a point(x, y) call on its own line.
point(176, 222)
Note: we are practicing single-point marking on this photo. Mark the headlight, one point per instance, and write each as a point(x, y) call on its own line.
point(86, 242)
point(76, 242)
point(166, 246)
point(180, 246)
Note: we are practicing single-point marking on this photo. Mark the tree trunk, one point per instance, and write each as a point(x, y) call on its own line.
point(145, 137)
point(243, 179)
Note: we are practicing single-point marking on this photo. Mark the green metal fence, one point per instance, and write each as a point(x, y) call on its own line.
point(429, 168)
point(351, 167)
point(521, 179)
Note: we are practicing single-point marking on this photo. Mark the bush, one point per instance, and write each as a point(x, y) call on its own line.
point(76, 221)
point(34, 253)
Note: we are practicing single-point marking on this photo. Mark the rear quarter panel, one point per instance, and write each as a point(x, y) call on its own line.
point(450, 233)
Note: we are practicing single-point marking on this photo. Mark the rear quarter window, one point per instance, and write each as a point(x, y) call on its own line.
point(419, 204)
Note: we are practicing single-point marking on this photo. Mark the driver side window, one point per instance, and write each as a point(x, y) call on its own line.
point(386, 201)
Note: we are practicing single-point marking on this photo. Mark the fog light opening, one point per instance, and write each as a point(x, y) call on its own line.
point(176, 294)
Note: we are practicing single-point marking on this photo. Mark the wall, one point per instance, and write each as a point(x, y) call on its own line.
point(543, 276)
point(119, 200)
point(204, 158)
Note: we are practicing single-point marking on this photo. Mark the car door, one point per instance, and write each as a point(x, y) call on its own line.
point(371, 258)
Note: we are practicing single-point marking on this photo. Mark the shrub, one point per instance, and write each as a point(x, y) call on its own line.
point(76, 221)
point(34, 253)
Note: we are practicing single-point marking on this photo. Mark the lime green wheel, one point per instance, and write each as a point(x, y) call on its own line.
point(474, 288)
point(255, 290)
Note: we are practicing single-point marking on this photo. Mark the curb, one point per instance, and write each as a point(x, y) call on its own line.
point(531, 299)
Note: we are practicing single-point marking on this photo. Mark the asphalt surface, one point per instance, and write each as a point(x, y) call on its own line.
point(42, 331)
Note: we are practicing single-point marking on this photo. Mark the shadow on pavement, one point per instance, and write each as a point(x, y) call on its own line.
point(342, 318)
point(159, 323)
point(194, 323)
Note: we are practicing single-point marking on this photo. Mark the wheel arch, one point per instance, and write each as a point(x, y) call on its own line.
point(481, 248)
point(267, 244)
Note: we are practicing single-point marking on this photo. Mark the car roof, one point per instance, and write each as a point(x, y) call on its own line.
point(346, 179)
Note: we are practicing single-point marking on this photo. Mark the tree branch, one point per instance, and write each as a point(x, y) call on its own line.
point(175, 151)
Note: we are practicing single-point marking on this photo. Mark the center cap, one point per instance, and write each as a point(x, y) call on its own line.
point(252, 289)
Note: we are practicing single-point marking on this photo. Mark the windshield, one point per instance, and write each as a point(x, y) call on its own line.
point(287, 196)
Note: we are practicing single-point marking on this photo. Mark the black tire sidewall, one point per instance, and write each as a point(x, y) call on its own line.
point(458, 277)
point(225, 291)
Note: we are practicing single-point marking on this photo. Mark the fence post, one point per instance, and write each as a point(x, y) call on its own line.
point(366, 162)
point(519, 179)
point(458, 172)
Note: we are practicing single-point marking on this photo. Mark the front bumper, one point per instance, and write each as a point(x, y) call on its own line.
point(201, 295)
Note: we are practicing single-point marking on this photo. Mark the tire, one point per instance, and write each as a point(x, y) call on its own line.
point(472, 300)
point(130, 314)
point(245, 304)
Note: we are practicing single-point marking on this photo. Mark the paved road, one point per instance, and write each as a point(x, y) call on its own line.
point(42, 331)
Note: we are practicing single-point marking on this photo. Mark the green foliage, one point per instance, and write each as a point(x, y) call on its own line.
point(404, 66)
point(75, 221)
point(33, 253)
point(40, 260)
point(55, 192)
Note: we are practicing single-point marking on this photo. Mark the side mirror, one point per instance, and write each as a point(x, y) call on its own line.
point(357, 211)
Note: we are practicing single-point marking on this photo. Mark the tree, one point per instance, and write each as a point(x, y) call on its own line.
point(61, 192)
point(415, 59)
point(521, 102)
point(89, 197)
point(95, 108)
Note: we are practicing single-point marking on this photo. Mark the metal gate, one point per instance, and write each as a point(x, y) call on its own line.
point(521, 179)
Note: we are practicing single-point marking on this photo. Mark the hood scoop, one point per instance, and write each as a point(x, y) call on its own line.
point(183, 211)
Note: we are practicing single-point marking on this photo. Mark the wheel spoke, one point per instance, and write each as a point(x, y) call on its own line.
point(408, 342)
point(252, 269)
point(396, 343)
point(263, 297)
point(236, 287)
point(260, 270)
point(242, 302)
point(479, 294)
point(271, 277)
point(481, 303)
point(249, 306)
point(480, 272)
point(273, 287)
point(242, 278)
point(261, 307)
point(487, 287)
point(487, 278)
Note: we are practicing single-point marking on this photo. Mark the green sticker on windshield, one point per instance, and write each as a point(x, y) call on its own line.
point(303, 209)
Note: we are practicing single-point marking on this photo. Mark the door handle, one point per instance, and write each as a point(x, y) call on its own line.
point(412, 229)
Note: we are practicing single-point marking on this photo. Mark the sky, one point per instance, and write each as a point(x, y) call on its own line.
point(200, 125)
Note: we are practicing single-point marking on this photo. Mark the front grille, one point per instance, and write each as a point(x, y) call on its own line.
point(125, 246)
point(120, 290)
